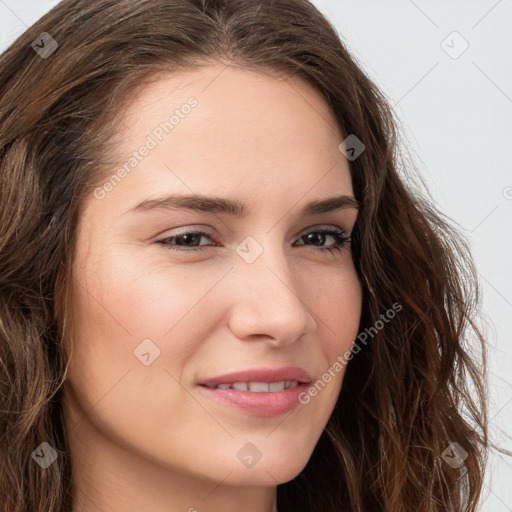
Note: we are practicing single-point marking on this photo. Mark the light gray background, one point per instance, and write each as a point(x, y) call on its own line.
point(456, 115)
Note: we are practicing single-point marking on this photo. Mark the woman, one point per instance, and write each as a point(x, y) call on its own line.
point(310, 356)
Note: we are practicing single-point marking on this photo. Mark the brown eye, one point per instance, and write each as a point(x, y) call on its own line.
point(184, 239)
point(319, 235)
point(190, 241)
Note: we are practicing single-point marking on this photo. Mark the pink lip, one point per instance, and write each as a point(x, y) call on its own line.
point(267, 404)
point(261, 375)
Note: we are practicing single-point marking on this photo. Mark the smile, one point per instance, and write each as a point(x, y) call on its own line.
point(258, 387)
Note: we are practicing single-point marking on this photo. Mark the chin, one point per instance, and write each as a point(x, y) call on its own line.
point(272, 472)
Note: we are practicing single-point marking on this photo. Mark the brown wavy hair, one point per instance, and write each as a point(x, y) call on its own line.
point(416, 387)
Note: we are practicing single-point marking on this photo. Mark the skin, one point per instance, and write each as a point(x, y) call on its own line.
point(145, 437)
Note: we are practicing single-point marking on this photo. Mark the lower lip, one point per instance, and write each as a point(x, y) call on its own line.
point(267, 404)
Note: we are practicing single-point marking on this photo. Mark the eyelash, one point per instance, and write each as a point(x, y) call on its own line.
point(333, 231)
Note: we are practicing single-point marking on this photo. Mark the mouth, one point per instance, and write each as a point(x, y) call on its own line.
point(258, 387)
point(262, 392)
point(260, 379)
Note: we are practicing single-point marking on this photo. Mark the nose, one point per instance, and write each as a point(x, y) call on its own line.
point(269, 301)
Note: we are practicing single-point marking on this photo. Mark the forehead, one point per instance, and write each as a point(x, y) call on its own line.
point(233, 93)
point(237, 107)
point(221, 130)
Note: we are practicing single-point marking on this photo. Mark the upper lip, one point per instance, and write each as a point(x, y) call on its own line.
point(292, 373)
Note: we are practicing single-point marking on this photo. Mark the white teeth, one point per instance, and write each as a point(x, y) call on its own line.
point(277, 386)
point(260, 387)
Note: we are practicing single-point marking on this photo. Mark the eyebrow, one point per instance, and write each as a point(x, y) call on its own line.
point(235, 208)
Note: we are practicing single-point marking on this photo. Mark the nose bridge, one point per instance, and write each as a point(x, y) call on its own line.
point(268, 300)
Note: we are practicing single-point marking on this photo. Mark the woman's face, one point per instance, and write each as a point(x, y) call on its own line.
point(260, 291)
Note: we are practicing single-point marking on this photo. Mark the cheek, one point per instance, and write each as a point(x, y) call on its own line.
point(117, 310)
point(127, 315)
point(337, 308)
point(338, 313)
point(127, 298)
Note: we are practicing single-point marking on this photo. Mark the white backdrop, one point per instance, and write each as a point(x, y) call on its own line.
point(446, 68)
